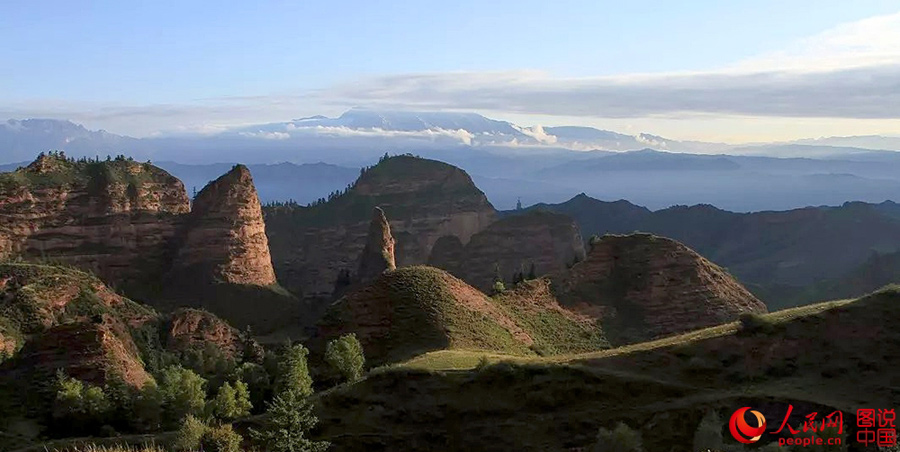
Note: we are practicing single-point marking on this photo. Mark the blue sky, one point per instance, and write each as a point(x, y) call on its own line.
point(140, 68)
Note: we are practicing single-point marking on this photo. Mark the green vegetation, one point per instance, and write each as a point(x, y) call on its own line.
point(190, 433)
point(230, 402)
point(293, 371)
point(81, 407)
point(35, 291)
point(430, 310)
point(290, 419)
point(667, 390)
point(183, 393)
point(709, 433)
point(553, 330)
point(220, 438)
point(56, 170)
point(345, 356)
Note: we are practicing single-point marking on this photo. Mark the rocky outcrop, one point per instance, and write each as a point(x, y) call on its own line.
point(113, 217)
point(225, 238)
point(378, 255)
point(642, 286)
point(543, 241)
point(94, 351)
point(187, 329)
point(423, 199)
point(36, 297)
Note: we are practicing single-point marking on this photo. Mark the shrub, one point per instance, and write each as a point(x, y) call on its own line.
point(293, 371)
point(189, 434)
point(257, 380)
point(290, 418)
point(231, 402)
point(752, 323)
point(221, 438)
point(345, 356)
point(79, 406)
point(183, 393)
point(620, 439)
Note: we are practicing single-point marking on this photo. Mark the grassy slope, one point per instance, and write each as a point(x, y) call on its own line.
point(421, 309)
point(427, 309)
point(833, 355)
point(445, 400)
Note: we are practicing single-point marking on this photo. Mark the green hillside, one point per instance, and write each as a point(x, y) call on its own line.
point(824, 357)
point(414, 310)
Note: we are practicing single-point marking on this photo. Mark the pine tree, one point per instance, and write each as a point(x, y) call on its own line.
point(290, 418)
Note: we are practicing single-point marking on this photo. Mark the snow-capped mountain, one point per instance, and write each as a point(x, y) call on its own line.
point(357, 134)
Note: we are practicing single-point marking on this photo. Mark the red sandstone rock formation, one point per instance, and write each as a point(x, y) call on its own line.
point(378, 255)
point(89, 351)
point(191, 328)
point(225, 239)
point(643, 286)
point(114, 217)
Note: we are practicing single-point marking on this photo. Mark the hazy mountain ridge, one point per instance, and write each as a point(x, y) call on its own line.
point(398, 128)
point(510, 162)
point(776, 253)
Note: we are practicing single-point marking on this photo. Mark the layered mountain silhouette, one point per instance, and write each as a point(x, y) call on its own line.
point(778, 254)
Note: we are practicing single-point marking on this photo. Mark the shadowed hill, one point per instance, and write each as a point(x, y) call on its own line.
point(537, 242)
point(819, 358)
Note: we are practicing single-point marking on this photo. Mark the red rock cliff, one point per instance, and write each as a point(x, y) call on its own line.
point(643, 286)
point(378, 255)
point(114, 217)
point(225, 238)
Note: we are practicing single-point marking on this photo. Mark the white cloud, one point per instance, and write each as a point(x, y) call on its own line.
point(651, 141)
point(869, 42)
point(850, 71)
point(459, 135)
point(843, 80)
point(538, 133)
point(266, 135)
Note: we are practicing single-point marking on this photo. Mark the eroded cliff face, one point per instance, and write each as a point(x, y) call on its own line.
point(225, 236)
point(91, 351)
point(547, 241)
point(194, 328)
point(642, 286)
point(114, 218)
point(423, 200)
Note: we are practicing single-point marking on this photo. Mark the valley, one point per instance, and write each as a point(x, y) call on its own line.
point(117, 282)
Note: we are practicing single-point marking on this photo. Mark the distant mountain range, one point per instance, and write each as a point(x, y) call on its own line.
point(786, 257)
point(510, 162)
point(20, 139)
